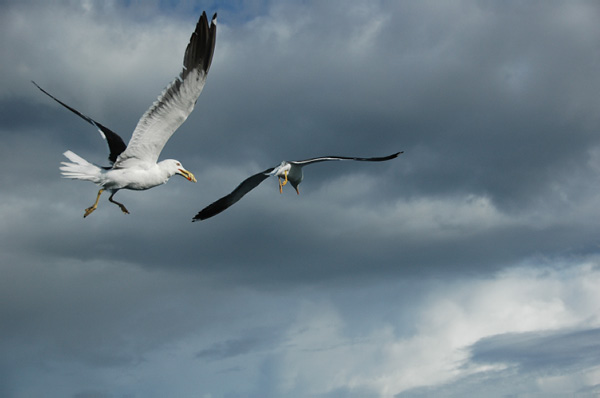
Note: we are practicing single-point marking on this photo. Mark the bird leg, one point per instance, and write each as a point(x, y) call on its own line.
point(281, 184)
point(90, 209)
point(121, 205)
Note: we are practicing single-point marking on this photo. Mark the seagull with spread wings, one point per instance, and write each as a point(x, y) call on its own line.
point(134, 166)
point(287, 171)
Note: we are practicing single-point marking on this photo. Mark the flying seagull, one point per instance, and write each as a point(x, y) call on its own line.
point(134, 166)
point(287, 171)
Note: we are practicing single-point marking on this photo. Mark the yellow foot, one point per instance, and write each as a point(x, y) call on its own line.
point(285, 173)
point(93, 207)
point(121, 206)
point(281, 184)
point(89, 211)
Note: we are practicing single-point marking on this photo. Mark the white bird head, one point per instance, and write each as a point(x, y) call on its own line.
point(173, 167)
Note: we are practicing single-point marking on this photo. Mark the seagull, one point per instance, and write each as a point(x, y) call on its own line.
point(287, 171)
point(134, 166)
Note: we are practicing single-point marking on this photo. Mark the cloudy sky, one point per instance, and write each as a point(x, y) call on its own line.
point(469, 266)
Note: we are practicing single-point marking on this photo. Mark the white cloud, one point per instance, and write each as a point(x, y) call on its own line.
point(321, 354)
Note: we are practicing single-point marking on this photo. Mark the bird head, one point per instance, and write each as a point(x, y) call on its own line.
point(175, 167)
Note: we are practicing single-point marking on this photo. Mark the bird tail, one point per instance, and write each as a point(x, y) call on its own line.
point(80, 169)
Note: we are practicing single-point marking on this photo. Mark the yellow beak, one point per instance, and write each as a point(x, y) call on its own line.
point(188, 175)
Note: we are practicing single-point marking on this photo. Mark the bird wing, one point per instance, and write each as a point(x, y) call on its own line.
point(252, 182)
point(328, 158)
point(177, 101)
point(116, 145)
point(226, 201)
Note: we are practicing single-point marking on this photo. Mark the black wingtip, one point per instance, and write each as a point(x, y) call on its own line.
point(211, 210)
point(41, 89)
point(384, 158)
point(201, 47)
point(395, 155)
point(227, 201)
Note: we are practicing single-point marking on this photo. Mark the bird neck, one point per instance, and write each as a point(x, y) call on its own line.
point(166, 170)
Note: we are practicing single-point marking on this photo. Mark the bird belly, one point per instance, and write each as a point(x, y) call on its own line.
point(295, 175)
point(134, 179)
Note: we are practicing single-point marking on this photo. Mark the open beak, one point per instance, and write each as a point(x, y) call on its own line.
point(187, 174)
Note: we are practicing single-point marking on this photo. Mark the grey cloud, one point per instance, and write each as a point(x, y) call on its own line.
point(494, 105)
point(260, 340)
point(541, 351)
point(230, 348)
point(527, 358)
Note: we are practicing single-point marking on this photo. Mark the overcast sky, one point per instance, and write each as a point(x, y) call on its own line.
point(469, 266)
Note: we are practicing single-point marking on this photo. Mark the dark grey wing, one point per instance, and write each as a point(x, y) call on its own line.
point(116, 145)
point(327, 158)
point(227, 201)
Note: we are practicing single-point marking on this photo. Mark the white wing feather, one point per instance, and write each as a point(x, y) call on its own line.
point(165, 116)
point(175, 103)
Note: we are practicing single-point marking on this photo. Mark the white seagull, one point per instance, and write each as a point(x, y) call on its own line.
point(287, 171)
point(134, 166)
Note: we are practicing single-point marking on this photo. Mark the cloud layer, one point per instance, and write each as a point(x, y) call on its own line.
point(466, 267)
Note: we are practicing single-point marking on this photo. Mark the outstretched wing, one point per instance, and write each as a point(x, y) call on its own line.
point(177, 101)
point(226, 201)
point(115, 143)
point(327, 158)
point(252, 182)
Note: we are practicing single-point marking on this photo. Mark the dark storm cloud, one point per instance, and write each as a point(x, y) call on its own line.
point(464, 129)
point(495, 106)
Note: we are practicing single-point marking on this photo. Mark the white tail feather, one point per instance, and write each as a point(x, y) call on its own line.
point(80, 169)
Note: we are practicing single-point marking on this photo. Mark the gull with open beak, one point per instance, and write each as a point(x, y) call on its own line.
point(287, 171)
point(135, 166)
